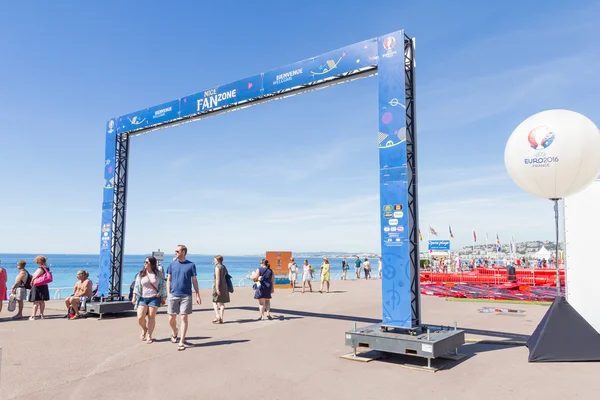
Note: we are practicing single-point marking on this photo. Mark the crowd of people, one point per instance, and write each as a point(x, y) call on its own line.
point(177, 288)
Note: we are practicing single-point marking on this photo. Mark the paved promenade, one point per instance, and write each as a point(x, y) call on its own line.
point(295, 356)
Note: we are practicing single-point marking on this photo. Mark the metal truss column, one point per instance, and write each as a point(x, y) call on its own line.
point(411, 164)
point(119, 214)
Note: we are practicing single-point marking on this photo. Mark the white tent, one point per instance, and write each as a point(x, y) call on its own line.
point(543, 253)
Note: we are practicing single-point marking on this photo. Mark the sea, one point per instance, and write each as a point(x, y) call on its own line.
point(64, 269)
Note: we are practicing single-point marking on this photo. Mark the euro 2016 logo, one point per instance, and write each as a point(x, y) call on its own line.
point(389, 43)
point(540, 138)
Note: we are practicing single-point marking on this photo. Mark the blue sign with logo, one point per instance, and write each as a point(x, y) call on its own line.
point(107, 206)
point(439, 245)
point(395, 246)
point(220, 96)
point(163, 113)
point(334, 63)
point(109, 160)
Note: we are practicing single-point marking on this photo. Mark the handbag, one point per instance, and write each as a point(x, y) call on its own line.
point(43, 279)
point(12, 303)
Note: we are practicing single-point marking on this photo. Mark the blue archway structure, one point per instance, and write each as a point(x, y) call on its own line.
point(392, 58)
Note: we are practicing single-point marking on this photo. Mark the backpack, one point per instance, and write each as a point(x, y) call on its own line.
point(28, 281)
point(228, 280)
point(132, 287)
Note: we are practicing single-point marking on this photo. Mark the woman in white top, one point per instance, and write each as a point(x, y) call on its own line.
point(147, 297)
point(307, 275)
point(293, 273)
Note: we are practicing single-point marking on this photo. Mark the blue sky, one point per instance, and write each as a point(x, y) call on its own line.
point(298, 174)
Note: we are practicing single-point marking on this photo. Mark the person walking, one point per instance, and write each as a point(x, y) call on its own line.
point(325, 274)
point(307, 275)
point(357, 265)
point(220, 290)
point(367, 268)
point(147, 297)
point(293, 273)
point(181, 275)
point(264, 288)
point(344, 268)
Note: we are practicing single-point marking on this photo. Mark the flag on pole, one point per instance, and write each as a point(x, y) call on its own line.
point(450, 231)
point(474, 236)
point(432, 231)
point(498, 246)
point(420, 236)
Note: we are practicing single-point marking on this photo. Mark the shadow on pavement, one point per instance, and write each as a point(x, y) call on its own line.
point(218, 343)
point(505, 335)
point(316, 315)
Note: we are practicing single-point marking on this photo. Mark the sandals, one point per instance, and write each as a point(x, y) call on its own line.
point(174, 338)
point(149, 340)
point(181, 347)
point(143, 335)
point(217, 321)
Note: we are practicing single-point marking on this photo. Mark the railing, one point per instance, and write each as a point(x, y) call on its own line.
point(64, 292)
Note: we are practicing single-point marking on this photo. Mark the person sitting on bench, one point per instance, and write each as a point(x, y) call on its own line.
point(81, 293)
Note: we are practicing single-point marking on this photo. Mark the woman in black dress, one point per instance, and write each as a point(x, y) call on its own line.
point(38, 295)
point(220, 290)
point(264, 288)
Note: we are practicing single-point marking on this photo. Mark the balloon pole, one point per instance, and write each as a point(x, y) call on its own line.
point(556, 254)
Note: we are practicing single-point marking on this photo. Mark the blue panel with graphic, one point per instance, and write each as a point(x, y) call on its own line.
point(133, 121)
point(107, 205)
point(220, 96)
point(109, 160)
point(163, 113)
point(439, 245)
point(395, 244)
point(326, 66)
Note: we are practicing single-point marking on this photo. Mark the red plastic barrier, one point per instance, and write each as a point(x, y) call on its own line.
point(481, 275)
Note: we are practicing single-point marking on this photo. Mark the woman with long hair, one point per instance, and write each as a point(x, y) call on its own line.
point(264, 288)
point(147, 296)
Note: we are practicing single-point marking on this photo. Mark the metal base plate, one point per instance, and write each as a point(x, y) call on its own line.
point(438, 342)
point(109, 307)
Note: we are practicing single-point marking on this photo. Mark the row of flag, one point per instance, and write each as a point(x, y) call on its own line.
point(433, 232)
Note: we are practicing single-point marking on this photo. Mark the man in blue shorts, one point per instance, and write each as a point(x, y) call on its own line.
point(181, 275)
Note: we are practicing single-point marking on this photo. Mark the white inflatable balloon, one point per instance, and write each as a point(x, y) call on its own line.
point(554, 154)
